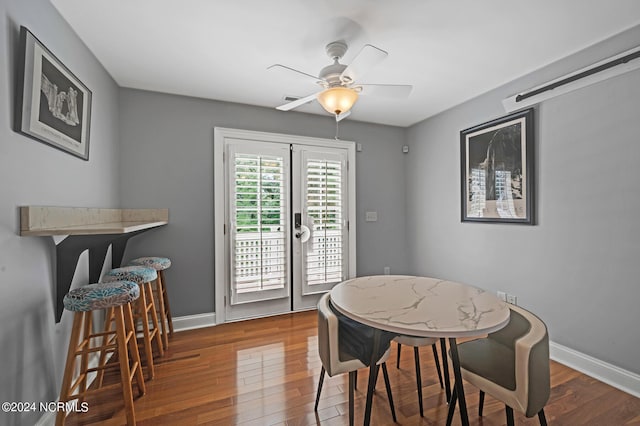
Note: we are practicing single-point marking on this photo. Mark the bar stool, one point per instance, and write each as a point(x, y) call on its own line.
point(116, 296)
point(418, 342)
point(164, 310)
point(145, 308)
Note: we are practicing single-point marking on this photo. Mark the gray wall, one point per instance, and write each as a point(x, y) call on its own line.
point(578, 267)
point(32, 346)
point(167, 161)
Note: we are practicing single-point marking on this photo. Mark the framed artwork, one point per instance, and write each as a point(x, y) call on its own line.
point(52, 105)
point(497, 170)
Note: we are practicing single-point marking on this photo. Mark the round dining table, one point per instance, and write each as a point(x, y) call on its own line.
point(423, 307)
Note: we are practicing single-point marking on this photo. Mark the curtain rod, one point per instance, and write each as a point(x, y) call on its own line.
point(583, 74)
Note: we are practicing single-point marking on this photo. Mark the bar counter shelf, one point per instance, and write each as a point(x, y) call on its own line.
point(76, 229)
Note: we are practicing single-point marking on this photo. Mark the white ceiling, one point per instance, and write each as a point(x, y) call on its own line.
point(449, 50)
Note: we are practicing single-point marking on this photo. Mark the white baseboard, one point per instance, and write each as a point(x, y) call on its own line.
point(617, 377)
point(190, 322)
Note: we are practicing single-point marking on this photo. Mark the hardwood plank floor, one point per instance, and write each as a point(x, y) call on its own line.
point(265, 372)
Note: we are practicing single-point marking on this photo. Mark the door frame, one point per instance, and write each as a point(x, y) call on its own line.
point(220, 134)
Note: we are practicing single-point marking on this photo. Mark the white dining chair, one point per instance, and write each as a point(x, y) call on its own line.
point(335, 362)
point(512, 365)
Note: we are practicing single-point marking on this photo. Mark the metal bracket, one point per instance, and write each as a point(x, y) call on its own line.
point(68, 252)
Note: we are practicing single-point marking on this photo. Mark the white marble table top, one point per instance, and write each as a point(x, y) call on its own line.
point(420, 306)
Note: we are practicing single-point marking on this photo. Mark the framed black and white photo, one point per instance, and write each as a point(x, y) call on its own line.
point(52, 104)
point(496, 160)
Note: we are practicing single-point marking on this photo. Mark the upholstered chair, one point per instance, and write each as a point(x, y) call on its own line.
point(512, 365)
point(335, 362)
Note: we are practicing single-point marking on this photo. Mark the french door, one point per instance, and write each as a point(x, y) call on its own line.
point(288, 230)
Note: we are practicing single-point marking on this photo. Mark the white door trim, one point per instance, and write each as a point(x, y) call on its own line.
point(220, 135)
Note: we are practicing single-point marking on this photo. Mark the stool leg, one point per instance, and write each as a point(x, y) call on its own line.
point(388, 386)
point(70, 364)
point(435, 357)
point(84, 358)
point(136, 365)
point(165, 297)
point(156, 334)
point(125, 373)
point(162, 311)
point(142, 314)
point(108, 319)
point(416, 356)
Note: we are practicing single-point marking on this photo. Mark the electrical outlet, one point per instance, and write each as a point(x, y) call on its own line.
point(512, 299)
point(387, 270)
point(502, 296)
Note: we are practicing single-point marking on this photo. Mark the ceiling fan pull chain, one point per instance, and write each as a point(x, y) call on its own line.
point(337, 124)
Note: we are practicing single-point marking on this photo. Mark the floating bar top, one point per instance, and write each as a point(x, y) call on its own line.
point(49, 220)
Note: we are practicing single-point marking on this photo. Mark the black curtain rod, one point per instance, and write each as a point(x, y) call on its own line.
point(610, 64)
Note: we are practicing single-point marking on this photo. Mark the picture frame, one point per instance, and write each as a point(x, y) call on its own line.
point(497, 170)
point(52, 105)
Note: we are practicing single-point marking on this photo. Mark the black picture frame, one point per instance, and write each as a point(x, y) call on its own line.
point(497, 170)
point(52, 105)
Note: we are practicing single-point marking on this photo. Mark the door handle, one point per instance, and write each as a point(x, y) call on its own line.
point(304, 234)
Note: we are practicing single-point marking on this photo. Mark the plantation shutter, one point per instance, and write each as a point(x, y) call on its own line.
point(259, 222)
point(325, 253)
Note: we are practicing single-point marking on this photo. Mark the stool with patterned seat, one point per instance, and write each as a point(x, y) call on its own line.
point(164, 310)
point(145, 310)
point(117, 297)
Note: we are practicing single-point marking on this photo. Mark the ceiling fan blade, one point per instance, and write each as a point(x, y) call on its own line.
point(386, 90)
point(294, 104)
point(366, 59)
point(280, 66)
point(342, 116)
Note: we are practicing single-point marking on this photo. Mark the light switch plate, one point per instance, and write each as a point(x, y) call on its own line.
point(371, 216)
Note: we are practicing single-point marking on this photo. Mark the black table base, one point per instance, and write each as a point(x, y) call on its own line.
point(456, 395)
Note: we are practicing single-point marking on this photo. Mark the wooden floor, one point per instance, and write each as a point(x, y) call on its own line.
point(265, 372)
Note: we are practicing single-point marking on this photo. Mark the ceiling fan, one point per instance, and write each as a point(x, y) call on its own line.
point(340, 89)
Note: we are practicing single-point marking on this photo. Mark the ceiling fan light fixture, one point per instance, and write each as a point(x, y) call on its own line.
point(337, 100)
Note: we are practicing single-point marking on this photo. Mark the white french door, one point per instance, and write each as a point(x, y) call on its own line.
point(288, 235)
point(258, 216)
point(320, 248)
